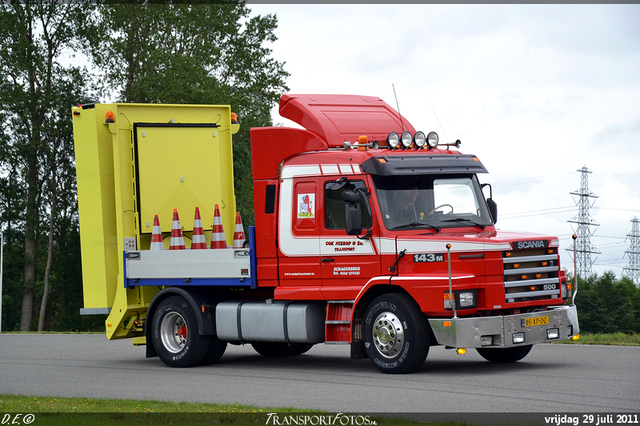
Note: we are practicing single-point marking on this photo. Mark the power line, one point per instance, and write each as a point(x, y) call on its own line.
point(537, 212)
point(512, 182)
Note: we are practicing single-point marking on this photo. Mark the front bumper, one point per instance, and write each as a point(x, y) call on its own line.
point(499, 331)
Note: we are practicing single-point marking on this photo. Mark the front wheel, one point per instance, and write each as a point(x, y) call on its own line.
point(503, 355)
point(175, 334)
point(396, 334)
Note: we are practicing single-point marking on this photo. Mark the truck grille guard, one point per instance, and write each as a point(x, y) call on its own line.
point(531, 275)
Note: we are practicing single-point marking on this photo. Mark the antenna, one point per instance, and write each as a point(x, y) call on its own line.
point(434, 113)
point(397, 105)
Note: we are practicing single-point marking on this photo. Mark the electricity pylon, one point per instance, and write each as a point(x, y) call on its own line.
point(632, 270)
point(584, 248)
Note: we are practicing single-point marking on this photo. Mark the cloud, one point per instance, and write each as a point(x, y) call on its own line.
point(536, 91)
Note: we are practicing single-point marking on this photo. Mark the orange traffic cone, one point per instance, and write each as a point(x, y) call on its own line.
point(197, 238)
point(238, 235)
point(156, 236)
point(177, 240)
point(218, 240)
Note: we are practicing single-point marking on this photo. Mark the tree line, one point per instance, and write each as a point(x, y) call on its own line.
point(159, 53)
point(57, 54)
point(607, 304)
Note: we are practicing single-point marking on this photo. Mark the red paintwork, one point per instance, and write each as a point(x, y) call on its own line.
point(330, 120)
point(343, 118)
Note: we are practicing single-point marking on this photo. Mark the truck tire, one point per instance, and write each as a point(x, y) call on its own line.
point(216, 350)
point(276, 349)
point(396, 334)
point(504, 354)
point(175, 334)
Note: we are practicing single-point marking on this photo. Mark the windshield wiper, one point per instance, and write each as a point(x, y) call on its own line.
point(462, 219)
point(414, 225)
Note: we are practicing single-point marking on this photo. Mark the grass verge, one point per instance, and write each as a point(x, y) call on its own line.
point(54, 411)
point(616, 339)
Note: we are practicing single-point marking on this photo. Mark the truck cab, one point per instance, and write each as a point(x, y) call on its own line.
point(367, 211)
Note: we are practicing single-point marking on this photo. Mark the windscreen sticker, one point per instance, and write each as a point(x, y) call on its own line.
point(306, 205)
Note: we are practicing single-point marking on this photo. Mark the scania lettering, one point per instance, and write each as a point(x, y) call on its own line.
point(522, 245)
point(367, 233)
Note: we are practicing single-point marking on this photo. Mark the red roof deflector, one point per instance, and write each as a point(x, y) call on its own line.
point(343, 118)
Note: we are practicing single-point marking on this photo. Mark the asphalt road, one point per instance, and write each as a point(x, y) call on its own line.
point(551, 379)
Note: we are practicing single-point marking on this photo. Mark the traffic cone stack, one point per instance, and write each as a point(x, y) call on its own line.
point(177, 240)
point(156, 236)
point(218, 240)
point(197, 238)
point(238, 235)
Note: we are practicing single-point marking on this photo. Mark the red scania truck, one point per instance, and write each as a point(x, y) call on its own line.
point(367, 233)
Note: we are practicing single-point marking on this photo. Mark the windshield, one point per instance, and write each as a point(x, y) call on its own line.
point(431, 202)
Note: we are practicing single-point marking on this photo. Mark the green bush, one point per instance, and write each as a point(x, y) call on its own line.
point(608, 305)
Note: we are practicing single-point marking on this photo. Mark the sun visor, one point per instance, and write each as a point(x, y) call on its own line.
point(389, 165)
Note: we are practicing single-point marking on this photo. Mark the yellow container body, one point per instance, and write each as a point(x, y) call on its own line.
point(150, 160)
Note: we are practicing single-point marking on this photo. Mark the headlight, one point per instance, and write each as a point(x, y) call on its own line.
point(406, 139)
point(419, 139)
point(518, 338)
point(467, 299)
point(393, 140)
point(432, 140)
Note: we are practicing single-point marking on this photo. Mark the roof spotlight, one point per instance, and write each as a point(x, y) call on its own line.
point(419, 139)
point(406, 139)
point(432, 140)
point(393, 140)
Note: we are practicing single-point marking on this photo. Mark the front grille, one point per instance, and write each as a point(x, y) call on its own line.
point(531, 275)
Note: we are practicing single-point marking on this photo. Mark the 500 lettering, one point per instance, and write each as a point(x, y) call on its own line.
point(428, 257)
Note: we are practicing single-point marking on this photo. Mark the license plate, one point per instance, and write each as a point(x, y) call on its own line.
point(533, 321)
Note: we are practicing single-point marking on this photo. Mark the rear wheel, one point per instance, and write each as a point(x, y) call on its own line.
point(504, 354)
point(396, 334)
point(275, 349)
point(175, 334)
point(216, 350)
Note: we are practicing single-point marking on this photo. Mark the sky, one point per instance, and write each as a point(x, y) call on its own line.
point(537, 92)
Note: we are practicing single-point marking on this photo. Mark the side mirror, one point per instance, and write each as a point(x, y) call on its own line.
point(493, 209)
point(352, 213)
point(350, 196)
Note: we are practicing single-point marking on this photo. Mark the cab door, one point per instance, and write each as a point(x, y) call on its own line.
point(299, 239)
point(347, 262)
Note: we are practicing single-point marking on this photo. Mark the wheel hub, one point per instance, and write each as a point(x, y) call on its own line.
point(388, 334)
point(173, 332)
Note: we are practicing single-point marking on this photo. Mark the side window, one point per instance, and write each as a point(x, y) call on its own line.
point(334, 205)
